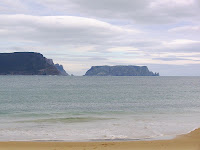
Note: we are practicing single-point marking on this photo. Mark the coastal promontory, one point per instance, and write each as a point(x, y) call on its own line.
point(28, 63)
point(120, 71)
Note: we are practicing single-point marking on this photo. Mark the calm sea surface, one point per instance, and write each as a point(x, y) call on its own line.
point(97, 108)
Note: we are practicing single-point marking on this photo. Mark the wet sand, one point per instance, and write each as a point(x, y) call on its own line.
point(189, 141)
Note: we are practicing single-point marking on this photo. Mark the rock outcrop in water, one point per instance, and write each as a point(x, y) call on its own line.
point(120, 71)
point(28, 63)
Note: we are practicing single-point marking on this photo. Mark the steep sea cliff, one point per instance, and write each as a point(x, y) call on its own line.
point(28, 63)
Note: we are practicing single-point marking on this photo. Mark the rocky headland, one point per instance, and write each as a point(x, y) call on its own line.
point(28, 63)
point(120, 71)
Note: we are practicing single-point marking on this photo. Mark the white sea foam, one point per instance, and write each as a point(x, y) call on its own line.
point(124, 127)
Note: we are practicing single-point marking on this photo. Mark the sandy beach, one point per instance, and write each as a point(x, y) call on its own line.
point(189, 141)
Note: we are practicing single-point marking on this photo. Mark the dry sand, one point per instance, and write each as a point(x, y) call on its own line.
point(189, 141)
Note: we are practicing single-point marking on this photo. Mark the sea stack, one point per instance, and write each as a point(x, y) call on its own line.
point(28, 63)
point(120, 71)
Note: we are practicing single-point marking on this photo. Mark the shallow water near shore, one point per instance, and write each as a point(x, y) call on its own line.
point(51, 108)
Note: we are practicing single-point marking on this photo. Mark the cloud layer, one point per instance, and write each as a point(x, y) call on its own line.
point(143, 11)
point(59, 29)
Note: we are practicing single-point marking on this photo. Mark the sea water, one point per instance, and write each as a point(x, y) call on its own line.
point(97, 108)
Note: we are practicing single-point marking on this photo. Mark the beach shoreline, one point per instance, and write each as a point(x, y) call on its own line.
point(190, 141)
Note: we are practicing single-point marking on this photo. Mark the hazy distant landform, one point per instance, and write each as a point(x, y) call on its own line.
point(120, 71)
point(30, 63)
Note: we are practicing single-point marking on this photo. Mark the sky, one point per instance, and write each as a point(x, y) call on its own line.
point(161, 34)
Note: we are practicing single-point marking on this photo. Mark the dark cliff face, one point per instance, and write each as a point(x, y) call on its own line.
point(120, 71)
point(26, 63)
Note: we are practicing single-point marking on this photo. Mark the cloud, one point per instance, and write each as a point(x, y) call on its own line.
point(185, 29)
point(122, 49)
point(182, 42)
point(142, 11)
point(59, 29)
point(10, 7)
point(171, 59)
point(181, 45)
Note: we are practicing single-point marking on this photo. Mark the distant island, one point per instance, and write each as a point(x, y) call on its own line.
point(28, 63)
point(120, 71)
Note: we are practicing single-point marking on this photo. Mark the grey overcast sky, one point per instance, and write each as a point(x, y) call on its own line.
point(161, 34)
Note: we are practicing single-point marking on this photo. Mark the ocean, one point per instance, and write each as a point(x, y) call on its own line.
point(62, 108)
